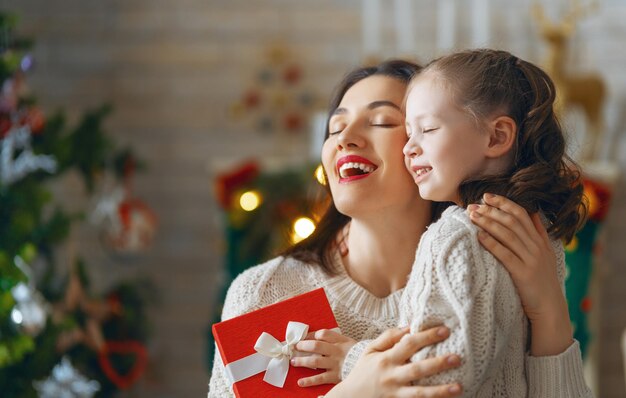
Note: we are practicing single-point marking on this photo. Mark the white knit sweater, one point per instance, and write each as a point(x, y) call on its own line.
point(362, 316)
point(456, 282)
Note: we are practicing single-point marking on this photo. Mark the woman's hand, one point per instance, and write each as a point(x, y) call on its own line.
point(523, 246)
point(329, 350)
point(384, 369)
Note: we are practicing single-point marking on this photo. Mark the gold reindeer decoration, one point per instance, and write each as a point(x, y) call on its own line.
point(586, 91)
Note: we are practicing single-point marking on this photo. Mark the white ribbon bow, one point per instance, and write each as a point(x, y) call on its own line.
point(281, 353)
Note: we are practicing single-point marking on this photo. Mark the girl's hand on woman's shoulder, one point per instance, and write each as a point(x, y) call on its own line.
point(384, 369)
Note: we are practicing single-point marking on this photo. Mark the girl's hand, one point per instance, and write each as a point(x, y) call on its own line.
point(523, 246)
point(384, 369)
point(329, 350)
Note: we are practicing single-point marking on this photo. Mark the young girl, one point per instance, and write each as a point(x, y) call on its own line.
point(481, 122)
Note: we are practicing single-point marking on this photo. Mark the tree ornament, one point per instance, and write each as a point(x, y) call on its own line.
point(30, 311)
point(226, 184)
point(105, 212)
point(8, 96)
point(66, 382)
point(128, 225)
point(27, 63)
point(138, 227)
point(35, 119)
point(93, 311)
point(292, 74)
point(13, 169)
point(132, 348)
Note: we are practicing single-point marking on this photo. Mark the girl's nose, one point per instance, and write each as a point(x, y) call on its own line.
point(412, 148)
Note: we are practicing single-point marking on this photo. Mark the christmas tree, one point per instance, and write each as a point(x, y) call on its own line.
point(56, 339)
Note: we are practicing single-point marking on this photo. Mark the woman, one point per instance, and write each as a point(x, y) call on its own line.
point(387, 219)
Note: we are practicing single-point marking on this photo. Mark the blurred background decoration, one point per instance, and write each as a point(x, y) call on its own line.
point(58, 339)
point(264, 211)
point(225, 100)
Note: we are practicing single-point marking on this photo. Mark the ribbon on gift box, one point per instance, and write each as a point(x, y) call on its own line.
point(272, 356)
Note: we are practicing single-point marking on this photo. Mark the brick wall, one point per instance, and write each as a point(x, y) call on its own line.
point(172, 68)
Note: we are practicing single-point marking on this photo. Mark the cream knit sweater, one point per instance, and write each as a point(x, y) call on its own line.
point(456, 282)
point(363, 316)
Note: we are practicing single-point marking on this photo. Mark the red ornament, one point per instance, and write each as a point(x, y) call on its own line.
point(35, 119)
point(252, 99)
point(293, 122)
point(602, 195)
point(5, 125)
point(135, 348)
point(226, 184)
point(138, 226)
point(292, 74)
point(585, 304)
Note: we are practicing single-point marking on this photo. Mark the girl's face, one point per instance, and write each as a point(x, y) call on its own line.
point(445, 146)
point(362, 154)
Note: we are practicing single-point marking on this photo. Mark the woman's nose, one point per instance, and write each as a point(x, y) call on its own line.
point(350, 137)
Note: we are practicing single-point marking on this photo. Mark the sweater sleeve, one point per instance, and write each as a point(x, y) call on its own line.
point(352, 357)
point(558, 376)
point(243, 296)
point(466, 289)
point(218, 385)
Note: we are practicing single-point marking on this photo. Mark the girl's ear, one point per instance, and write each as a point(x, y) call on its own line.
point(502, 136)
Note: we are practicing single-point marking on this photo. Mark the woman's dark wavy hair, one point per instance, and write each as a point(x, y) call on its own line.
point(542, 177)
point(319, 247)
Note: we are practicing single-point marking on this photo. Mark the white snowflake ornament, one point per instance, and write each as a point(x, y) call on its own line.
point(66, 382)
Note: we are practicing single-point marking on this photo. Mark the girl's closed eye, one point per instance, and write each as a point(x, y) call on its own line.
point(429, 130)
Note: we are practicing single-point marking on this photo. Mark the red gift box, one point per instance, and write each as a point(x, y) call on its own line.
point(236, 339)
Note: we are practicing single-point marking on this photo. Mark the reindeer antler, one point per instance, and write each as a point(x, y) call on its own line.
point(579, 10)
point(539, 14)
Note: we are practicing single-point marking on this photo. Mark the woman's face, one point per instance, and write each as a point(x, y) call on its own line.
point(363, 154)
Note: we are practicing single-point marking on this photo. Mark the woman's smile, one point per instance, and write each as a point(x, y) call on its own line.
point(354, 167)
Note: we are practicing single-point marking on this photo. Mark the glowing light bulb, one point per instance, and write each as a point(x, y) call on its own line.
point(319, 175)
point(250, 200)
point(302, 228)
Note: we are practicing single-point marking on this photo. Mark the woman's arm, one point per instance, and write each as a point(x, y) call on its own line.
point(383, 370)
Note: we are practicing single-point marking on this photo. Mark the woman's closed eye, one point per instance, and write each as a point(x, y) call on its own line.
point(336, 128)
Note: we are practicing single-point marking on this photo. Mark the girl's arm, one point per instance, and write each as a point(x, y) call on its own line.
point(456, 282)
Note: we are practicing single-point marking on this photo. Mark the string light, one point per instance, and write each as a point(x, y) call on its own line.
point(319, 175)
point(302, 228)
point(250, 200)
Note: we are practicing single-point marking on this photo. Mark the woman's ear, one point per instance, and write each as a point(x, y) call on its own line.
point(502, 136)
